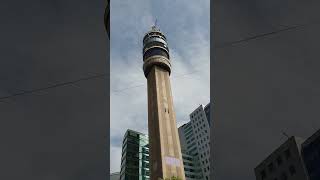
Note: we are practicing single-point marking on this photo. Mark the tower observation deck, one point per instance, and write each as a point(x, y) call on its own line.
point(155, 51)
point(165, 151)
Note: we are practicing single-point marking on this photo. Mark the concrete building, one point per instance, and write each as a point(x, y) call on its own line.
point(201, 129)
point(115, 176)
point(207, 112)
point(285, 163)
point(135, 156)
point(190, 155)
point(192, 167)
point(311, 155)
point(195, 141)
point(165, 151)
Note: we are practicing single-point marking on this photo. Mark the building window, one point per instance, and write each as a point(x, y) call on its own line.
point(284, 176)
point(292, 170)
point(287, 154)
point(279, 160)
point(270, 166)
point(263, 174)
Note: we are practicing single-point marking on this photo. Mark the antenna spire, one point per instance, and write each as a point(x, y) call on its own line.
point(285, 134)
point(154, 27)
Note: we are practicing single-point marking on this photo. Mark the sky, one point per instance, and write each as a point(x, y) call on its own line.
point(264, 86)
point(187, 27)
point(260, 87)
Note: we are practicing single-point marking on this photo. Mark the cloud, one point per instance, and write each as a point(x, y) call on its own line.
point(115, 162)
point(188, 37)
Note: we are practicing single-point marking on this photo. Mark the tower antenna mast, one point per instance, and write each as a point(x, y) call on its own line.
point(154, 27)
point(285, 134)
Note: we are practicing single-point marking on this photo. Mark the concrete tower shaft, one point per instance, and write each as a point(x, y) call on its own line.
point(165, 151)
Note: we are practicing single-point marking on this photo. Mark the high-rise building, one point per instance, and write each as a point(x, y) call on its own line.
point(165, 152)
point(107, 17)
point(195, 140)
point(115, 176)
point(201, 129)
point(137, 168)
point(311, 155)
point(190, 155)
point(285, 163)
point(135, 156)
point(192, 168)
point(207, 112)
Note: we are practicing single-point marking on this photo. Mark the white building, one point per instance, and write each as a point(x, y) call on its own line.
point(195, 141)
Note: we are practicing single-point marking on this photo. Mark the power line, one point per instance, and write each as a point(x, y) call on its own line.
point(102, 75)
point(141, 85)
point(224, 45)
point(24, 92)
point(288, 28)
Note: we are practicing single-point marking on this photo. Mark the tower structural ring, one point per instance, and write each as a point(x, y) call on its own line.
point(155, 51)
point(156, 61)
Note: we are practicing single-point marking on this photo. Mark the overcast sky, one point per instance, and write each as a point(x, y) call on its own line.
point(187, 27)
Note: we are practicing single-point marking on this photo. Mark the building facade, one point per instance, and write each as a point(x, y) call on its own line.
point(190, 155)
point(201, 129)
point(107, 17)
point(207, 112)
point(195, 141)
point(165, 151)
point(115, 176)
point(135, 159)
point(135, 156)
point(285, 163)
point(192, 167)
point(311, 155)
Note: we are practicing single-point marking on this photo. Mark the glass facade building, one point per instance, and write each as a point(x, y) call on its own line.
point(135, 157)
point(115, 176)
point(311, 155)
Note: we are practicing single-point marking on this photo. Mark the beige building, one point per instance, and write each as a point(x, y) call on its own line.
point(165, 151)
